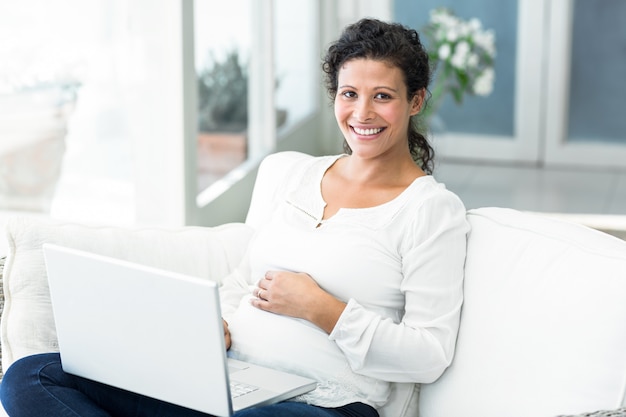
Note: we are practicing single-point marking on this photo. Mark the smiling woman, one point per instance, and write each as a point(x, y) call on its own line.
point(401, 62)
point(373, 107)
point(353, 256)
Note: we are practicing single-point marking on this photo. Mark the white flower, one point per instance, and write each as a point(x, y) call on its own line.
point(440, 36)
point(459, 58)
point(464, 53)
point(443, 18)
point(436, 15)
point(483, 86)
point(452, 35)
point(475, 25)
point(444, 51)
point(473, 60)
point(465, 30)
point(486, 40)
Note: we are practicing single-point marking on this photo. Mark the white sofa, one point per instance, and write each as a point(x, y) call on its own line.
point(543, 327)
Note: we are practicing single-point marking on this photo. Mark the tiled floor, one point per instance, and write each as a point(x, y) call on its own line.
point(552, 190)
point(594, 198)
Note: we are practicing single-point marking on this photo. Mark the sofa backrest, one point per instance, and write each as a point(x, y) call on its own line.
point(271, 172)
point(27, 320)
point(543, 325)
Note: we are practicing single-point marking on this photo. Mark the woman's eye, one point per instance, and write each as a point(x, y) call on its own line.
point(382, 96)
point(349, 94)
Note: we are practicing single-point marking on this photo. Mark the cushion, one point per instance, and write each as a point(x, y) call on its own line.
point(27, 321)
point(543, 325)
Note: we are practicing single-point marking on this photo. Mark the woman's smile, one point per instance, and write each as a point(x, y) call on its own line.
point(372, 107)
point(367, 131)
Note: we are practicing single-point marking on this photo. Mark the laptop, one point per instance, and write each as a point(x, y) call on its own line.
point(154, 332)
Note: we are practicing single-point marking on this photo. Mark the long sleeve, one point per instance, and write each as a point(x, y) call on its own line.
point(398, 266)
point(421, 346)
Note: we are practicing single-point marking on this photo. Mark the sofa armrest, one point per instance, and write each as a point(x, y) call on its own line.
point(27, 322)
point(544, 301)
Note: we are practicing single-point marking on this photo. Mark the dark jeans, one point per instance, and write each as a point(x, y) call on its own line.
point(36, 386)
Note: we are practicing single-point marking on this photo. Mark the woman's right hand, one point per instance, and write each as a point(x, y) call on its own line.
point(226, 335)
point(297, 295)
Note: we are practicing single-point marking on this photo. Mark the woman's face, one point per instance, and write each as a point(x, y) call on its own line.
point(372, 109)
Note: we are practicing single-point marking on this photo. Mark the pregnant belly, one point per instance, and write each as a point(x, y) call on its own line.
point(283, 343)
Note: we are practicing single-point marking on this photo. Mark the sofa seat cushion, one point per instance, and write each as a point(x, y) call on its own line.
point(543, 326)
point(27, 321)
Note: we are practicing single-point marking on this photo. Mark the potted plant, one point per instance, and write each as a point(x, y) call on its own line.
point(223, 96)
point(463, 53)
point(223, 116)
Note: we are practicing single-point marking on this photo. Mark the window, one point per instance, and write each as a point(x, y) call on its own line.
point(125, 153)
point(270, 52)
point(597, 92)
point(63, 110)
point(297, 64)
point(222, 52)
point(497, 108)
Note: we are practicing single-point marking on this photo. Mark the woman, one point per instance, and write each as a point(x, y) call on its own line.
point(355, 281)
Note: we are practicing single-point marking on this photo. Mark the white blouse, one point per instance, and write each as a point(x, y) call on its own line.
point(398, 266)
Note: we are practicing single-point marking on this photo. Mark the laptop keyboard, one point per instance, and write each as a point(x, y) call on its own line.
point(238, 389)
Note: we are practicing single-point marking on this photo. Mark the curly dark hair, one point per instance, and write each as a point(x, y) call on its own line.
point(394, 44)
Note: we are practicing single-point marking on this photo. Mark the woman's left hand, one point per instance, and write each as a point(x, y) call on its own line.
point(297, 295)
